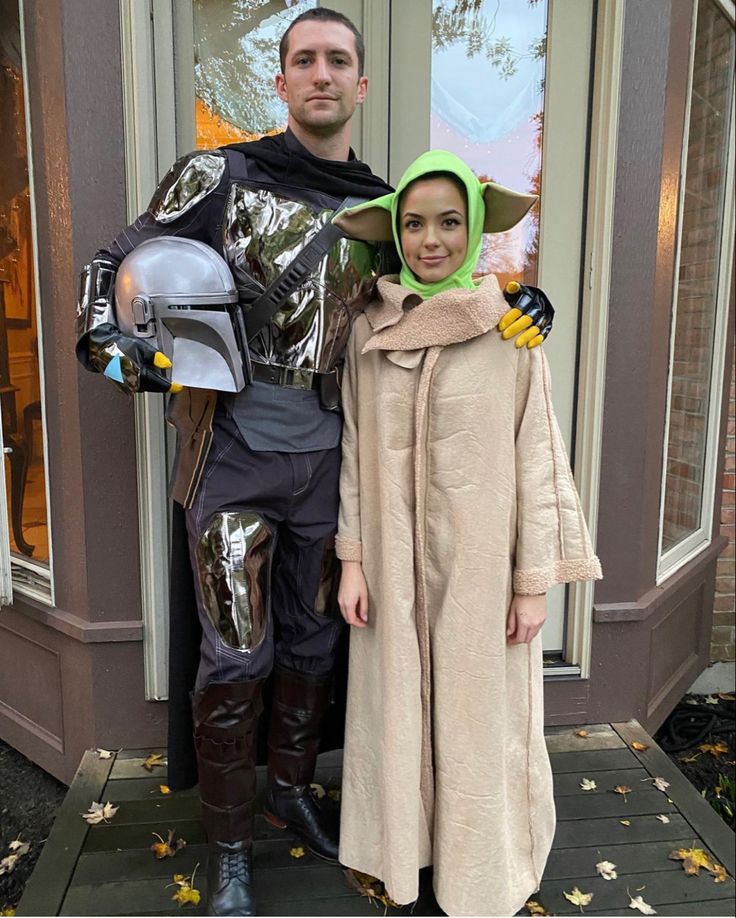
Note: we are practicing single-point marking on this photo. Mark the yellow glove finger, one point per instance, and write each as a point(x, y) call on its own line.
point(175, 387)
point(511, 316)
point(529, 335)
point(516, 327)
point(161, 361)
point(535, 342)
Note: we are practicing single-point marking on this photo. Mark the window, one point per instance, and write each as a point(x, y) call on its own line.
point(704, 263)
point(21, 398)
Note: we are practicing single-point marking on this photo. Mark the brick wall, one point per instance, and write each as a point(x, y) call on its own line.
point(724, 617)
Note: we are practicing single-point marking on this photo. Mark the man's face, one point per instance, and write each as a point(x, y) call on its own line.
point(321, 85)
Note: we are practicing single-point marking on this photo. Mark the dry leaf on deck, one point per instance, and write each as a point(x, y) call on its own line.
point(663, 818)
point(582, 733)
point(727, 696)
point(164, 788)
point(642, 906)
point(154, 760)
point(296, 852)
point(640, 747)
point(719, 874)
point(622, 789)
point(692, 860)
point(661, 784)
point(715, 749)
point(607, 870)
point(104, 753)
point(536, 908)
point(168, 848)
point(99, 813)
point(588, 784)
point(625, 822)
point(186, 894)
point(578, 898)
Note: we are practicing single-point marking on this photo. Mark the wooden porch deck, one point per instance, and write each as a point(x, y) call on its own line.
point(109, 869)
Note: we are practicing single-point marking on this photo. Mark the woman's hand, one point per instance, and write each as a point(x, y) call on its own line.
point(352, 596)
point(526, 617)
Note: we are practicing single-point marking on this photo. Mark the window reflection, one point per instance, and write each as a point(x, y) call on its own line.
point(488, 61)
point(20, 397)
point(236, 58)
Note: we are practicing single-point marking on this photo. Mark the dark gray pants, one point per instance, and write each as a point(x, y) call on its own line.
point(278, 579)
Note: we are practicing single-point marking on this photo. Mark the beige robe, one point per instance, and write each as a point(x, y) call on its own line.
point(455, 492)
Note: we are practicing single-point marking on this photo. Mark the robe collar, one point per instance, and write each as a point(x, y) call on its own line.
point(402, 321)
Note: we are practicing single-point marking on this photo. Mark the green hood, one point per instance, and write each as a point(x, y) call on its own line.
point(491, 209)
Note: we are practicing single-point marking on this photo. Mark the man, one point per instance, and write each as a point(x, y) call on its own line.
point(257, 473)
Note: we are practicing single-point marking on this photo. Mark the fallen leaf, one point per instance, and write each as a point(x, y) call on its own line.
point(319, 790)
point(186, 894)
point(622, 789)
point(727, 696)
point(168, 848)
point(642, 906)
point(640, 747)
point(578, 898)
point(154, 760)
point(715, 749)
point(661, 784)
point(710, 699)
point(333, 794)
point(692, 860)
point(19, 847)
point(296, 852)
point(625, 822)
point(588, 784)
point(663, 818)
point(7, 864)
point(104, 753)
point(536, 908)
point(8, 912)
point(582, 733)
point(688, 759)
point(99, 813)
point(719, 874)
point(164, 788)
point(691, 701)
point(607, 870)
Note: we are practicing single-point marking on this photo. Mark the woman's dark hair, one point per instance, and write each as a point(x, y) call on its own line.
point(455, 179)
point(323, 14)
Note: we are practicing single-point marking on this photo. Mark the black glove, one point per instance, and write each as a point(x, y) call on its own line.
point(530, 316)
point(133, 363)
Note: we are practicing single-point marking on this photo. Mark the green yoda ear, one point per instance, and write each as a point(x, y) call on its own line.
point(371, 222)
point(504, 207)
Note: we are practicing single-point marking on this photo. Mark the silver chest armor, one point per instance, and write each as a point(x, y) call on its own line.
point(262, 233)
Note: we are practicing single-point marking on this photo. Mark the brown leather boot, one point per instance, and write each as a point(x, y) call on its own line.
point(297, 708)
point(225, 721)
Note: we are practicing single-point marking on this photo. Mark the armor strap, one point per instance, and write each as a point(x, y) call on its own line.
point(267, 304)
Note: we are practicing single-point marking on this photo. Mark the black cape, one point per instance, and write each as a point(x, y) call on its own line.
point(285, 162)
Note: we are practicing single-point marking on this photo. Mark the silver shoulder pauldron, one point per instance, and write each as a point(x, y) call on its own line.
point(189, 180)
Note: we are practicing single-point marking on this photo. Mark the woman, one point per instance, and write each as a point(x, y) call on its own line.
point(458, 513)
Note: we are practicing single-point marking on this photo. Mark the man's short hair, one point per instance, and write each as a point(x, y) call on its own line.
point(323, 14)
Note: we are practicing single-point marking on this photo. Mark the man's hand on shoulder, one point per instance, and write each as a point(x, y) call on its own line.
point(133, 363)
point(530, 317)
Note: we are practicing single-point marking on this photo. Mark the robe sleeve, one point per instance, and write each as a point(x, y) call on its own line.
point(348, 541)
point(552, 541)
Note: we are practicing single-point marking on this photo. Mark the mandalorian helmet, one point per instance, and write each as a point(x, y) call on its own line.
point(180, 294)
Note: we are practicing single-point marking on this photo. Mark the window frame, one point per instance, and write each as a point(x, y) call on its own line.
point(669, 561)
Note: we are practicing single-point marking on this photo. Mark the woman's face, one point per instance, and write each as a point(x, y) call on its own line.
point(433, 229)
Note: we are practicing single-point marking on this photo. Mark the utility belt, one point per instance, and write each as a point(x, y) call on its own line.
point(327, 384)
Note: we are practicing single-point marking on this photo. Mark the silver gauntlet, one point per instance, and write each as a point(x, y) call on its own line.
point(96, 304)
